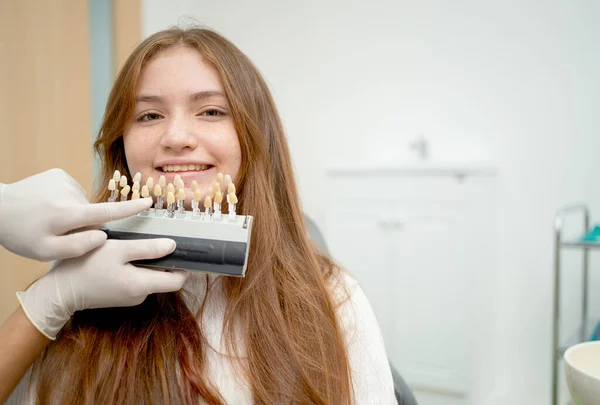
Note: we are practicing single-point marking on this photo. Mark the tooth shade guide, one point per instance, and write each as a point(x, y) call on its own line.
point(232, 200)
point(137, 178)
point(114, 193)
point(125, 193)
point(194, 186)
point(227, 181)
point(196, 201)
point(170, 204)
point(202, 228)
point(217, 203)
point(150, 183)
point(220, 178)
point(159, 198)
point(180, 202)
point(159, 203)
point(177, 178)
point(170, 198)
point(162, 181)
point(170, 188)
point(231, 188)
point(116, 176)
point(123, 181)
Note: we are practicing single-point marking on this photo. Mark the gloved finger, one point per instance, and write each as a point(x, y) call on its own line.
point(157, 281)
point(74, 244)
point(76, 196)
point(142, 249)
point(93, 214)
point(86, 228)
point(61, 175)
point(81, 191)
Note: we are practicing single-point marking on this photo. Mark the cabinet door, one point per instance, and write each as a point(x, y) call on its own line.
point(431, 300)
point(410, 264)
point(357, 243)
point(423, 255)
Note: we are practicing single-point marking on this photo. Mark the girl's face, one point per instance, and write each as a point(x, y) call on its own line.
point(181, 124)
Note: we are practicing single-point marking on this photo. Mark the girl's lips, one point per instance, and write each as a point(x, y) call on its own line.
point(204, 177)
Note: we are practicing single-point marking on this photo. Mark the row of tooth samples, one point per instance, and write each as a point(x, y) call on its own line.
point(175, 194)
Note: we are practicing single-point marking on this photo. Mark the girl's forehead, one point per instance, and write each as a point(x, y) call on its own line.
point(178, 69)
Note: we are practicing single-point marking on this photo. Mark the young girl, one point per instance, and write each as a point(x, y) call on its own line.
point(296, 329)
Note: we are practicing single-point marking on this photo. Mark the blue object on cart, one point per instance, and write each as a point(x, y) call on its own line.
point(596, 334)
point(593, 235)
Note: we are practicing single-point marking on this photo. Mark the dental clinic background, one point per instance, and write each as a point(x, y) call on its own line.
point(433, 144)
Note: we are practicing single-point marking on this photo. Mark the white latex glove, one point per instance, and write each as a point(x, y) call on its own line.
point(102, 278)
point(38, 214)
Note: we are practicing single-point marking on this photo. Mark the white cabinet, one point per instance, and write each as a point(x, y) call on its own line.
point(421, 247)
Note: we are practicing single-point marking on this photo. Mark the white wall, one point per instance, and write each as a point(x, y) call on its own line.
point(515, 81)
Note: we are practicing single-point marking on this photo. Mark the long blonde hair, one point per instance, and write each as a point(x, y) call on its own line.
point(154, 353)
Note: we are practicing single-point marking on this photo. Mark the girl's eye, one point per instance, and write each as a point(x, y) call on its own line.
point(212, 112)
point(149, 117)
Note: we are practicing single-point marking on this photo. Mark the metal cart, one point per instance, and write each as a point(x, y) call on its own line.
point(581, 335)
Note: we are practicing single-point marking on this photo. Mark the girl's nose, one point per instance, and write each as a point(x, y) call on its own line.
point(178, 136)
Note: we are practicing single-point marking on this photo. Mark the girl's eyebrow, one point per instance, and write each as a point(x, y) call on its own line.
point(202, 95)
point(148, 98)
point(199, 96)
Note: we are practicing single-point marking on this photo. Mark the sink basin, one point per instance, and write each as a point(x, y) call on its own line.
point(582, 371)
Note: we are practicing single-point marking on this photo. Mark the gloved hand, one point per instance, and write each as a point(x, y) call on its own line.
point(102, 278)
point(38, 213)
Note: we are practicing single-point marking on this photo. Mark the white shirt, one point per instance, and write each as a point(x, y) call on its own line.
point(371, 374)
